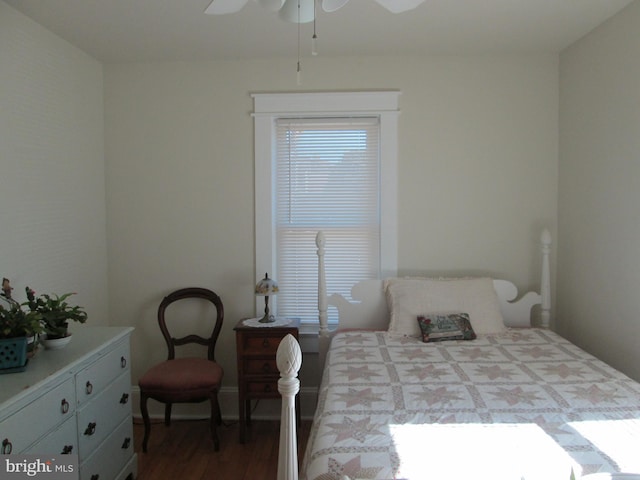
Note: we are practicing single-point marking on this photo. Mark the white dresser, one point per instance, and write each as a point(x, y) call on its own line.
point(75, 400)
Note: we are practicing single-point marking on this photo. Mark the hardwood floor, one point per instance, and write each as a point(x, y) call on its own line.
point(185, 451)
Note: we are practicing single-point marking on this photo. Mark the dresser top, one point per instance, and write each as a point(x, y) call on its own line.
point(47, 366)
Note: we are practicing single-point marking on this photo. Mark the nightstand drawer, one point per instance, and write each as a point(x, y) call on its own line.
point(260, 366)
point(261, 345)
point(262, 387)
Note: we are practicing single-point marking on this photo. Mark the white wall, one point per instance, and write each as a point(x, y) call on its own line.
point(477, 174)
point(52, 192)
point(599, 192)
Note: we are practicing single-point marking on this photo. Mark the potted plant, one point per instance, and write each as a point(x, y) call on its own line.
point(55, 314)
point(15, 322)
point(16, 327)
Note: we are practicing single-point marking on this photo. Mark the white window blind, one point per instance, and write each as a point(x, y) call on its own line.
point(327, 177)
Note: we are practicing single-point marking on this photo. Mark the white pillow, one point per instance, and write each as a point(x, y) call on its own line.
point(409, 297)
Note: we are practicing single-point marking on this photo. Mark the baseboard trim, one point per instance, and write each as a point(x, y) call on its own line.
point(268, 409)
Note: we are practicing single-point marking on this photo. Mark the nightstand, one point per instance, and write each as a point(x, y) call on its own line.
point(257, 371)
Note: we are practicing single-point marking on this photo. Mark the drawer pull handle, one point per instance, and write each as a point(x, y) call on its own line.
point(267, 388)
point(89, 388)
point(123, 362)
point(64, 406)
point(265, 343)
point(7, 446)
point(91, 429)
point(67, 450)
point(124, 399)
point(266, 368)
point(126, 443)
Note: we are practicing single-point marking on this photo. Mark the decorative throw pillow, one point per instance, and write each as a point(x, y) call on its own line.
point(437, 328)
point(409, 297)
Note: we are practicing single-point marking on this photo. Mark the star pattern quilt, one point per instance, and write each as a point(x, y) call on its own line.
point(525, 404)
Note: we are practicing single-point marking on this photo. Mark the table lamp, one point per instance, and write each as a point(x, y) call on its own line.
point(265, 287)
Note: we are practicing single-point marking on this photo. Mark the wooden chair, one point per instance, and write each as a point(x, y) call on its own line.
point(189, 379)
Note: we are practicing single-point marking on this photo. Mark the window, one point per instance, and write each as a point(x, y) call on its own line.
point(324, 161)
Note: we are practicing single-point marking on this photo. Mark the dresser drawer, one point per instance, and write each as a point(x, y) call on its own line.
point(114, 454)
point(130, 470)
point(44, 413)
point(102, 414)
point(260, 366)
point(63, 439)
point(93, 379)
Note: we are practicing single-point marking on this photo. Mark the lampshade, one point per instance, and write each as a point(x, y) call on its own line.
point(267, 286)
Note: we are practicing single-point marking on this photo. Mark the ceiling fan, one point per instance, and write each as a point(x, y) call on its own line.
point(288, 9)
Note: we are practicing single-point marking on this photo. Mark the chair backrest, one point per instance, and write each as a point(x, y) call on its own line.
point(187, 293)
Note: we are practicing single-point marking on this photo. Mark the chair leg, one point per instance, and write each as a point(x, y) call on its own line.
point(167, 414)
point(218, 413)
point(215, 414)
point(145, 419)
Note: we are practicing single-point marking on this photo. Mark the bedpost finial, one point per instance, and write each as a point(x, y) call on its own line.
point(545, 237)
point(320, 239)
point(289, 356)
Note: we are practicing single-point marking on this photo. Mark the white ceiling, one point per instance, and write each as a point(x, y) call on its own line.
point(157, 30)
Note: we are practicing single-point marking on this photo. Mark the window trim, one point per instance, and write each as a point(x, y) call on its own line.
point(270, 106)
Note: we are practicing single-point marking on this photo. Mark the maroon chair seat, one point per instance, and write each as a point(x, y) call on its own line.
point(187, 379)
point(181, 380)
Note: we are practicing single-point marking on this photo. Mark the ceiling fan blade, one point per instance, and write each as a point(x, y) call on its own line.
point(289, 11)
point(333, 5)
point(399, 6)
point(271, 5)
point(222, 7)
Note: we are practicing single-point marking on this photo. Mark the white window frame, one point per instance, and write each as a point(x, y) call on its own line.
point(268, 107)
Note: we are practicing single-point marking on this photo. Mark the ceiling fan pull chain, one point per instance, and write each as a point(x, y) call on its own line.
point(298, 69)
point(314, 39)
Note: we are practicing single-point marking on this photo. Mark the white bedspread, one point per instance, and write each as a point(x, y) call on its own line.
point(523, 405)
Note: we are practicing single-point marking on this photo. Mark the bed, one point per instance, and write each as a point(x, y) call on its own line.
point(403, 399)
